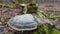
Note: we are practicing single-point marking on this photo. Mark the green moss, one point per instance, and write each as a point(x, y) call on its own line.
point(55, 31)
point(15, 1)
point(18, 2)
point(2, 19)
point(35, 33)
point(10, 6)
point(7, 5)
point(46, 29)
point(48, 16)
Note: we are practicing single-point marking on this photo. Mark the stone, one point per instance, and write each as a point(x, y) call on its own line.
point(58, 26)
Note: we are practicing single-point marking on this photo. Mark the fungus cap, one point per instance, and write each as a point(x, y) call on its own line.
point(23, 22)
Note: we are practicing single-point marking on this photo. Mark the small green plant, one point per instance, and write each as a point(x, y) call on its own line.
point(46, 29)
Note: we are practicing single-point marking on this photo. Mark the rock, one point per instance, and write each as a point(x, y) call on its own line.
point(23, 22)
point(0, 22)
point(1, 25)
point(2, 28)
point(58, 26)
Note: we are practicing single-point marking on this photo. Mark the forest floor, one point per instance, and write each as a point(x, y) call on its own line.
point(7, 13)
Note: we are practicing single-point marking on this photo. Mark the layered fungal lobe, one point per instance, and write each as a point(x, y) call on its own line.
point(23, 22)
